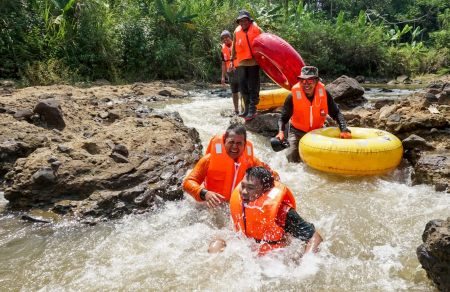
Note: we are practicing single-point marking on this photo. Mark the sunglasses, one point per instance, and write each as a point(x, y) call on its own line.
point(307, 81)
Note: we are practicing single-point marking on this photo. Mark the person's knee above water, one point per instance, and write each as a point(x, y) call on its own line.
point(307, 106)
point(222, 167)
point(265, 210)
point(248, 71)
point(232, 73)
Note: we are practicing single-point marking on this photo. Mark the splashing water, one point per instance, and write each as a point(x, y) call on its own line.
point(371, 228)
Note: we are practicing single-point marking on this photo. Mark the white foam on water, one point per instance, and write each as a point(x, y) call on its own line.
point(371, 227)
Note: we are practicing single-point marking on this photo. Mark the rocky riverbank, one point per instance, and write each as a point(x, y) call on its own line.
point(93, 154)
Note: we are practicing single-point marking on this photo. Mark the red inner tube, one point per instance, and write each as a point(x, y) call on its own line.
point(277, 59)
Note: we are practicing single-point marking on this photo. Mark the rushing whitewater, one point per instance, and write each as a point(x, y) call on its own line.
point(371, 228)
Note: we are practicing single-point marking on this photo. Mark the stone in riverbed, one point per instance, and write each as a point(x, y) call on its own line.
point(121, 149)
point(114, 115)
point(25, 113)
point(415, 141)
point(64, 149)
point(51, 110)
point(430, 97)
point(347, 92)
point(44, 176)
point(165, 93)
point(382, 102)
point(403, 78)
point(434, 253)
point(443, 98)
point(119, 158)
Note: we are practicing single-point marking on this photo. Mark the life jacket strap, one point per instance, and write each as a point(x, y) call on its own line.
point(268, 241)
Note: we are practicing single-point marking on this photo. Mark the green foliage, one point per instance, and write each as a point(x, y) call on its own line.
point(170, 14)
point(50, 71)
point(56, 41)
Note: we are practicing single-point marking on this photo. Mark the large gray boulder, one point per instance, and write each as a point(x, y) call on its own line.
point(434, 253)
point(347, 92)
point(51, 110)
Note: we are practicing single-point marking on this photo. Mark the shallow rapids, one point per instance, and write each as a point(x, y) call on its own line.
point(371, 228)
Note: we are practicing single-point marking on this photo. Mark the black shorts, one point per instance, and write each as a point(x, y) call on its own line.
point(233, 78)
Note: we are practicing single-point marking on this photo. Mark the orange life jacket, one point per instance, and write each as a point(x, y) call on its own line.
point(226, 51)
point(222, 176)
point(257, 219)
point(244, 41)
point(308, 116)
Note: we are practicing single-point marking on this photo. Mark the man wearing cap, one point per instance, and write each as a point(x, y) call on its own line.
point(248, 69)
point(307, 106)
point(232, 73)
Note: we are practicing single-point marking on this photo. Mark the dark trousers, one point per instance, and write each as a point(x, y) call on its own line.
point(249, 85)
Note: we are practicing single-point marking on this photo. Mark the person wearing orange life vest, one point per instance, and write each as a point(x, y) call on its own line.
point(265, 210)
point(222, 167)
point(248, 70)
point(307, 106)
point(232, 73)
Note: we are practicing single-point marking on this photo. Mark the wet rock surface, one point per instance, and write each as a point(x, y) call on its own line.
point(434, 253)
point(72, 162)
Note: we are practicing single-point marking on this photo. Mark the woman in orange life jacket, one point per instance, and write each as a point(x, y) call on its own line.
point(222, 167)
point(265, 210)
point(232, 73)
point(307, 106)
point(248, 70)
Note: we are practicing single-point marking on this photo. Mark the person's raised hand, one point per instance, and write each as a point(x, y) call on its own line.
point(280, 135)
point(213, 200)
point(345, 135)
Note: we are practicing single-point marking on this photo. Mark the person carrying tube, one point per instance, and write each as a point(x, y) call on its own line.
point(222, 167)
point(248, 70)
point(307, 107)
point(265, 210)
point(232, 73)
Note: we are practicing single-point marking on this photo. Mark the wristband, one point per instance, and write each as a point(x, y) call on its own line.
point(203, 194)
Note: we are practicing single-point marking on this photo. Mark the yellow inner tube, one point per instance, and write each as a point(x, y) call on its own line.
point(272, 98)
point(369, 152)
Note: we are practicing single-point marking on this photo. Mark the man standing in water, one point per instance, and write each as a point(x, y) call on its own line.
point(248, 70)
point(265, 210)
point(308, 105)
point(232, 73)
point(222, 168)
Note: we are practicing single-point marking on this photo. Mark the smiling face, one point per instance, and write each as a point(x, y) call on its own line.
point(227, 41)
point(250, 189)
point(244, 23)
point(308, 88)
point(234, 145)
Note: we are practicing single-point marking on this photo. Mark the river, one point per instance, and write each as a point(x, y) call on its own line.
point(371, 228)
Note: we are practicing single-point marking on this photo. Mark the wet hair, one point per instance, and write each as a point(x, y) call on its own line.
point(264, 176)
point(237, 129)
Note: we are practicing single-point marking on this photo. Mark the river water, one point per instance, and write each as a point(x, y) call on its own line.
point(371, 228)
